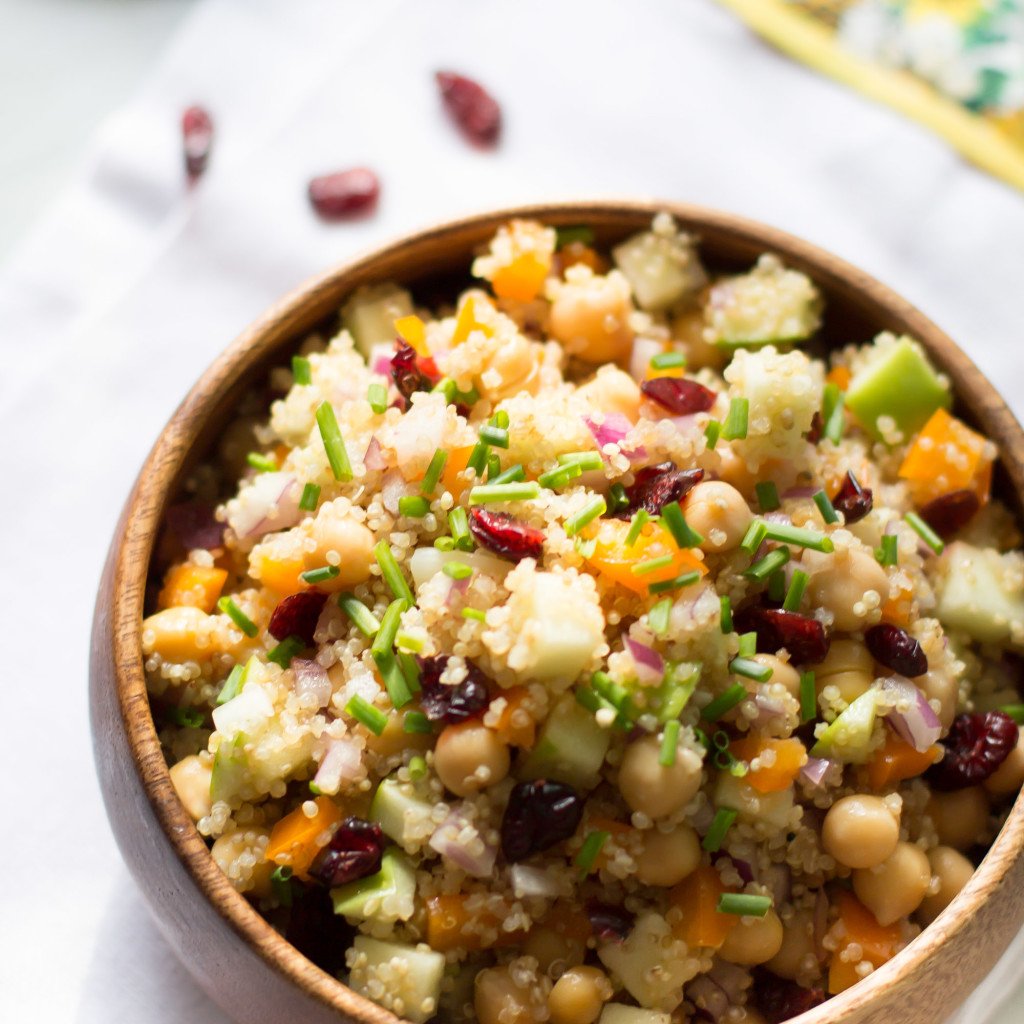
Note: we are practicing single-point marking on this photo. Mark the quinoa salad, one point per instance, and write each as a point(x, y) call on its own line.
point(594, 644)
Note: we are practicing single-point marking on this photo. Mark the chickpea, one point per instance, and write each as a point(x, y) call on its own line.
point(498, 999)
point(782, 672)
point(755, 940)
point(849, 684)
point(894, 888)
point(945, 689)
point(579, 995)
point(191, 780)
point(841, 585)
point(343, 542)
point(797, 946)
point(652, 788)
point(845, 655)
point(590, 316)
point(469, 757)
point(860, 831)
point(668, 857)
point(612, 390)
point(552, 949)
point(1009, 776)
point(960, 817)
point(233, 853)
point(719, 513)
point(954, 871)
point(180, 634)
point(517, 363)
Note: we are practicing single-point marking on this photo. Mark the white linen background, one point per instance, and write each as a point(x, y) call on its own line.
point(131, 284)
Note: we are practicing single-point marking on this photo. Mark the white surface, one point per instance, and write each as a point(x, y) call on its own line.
point(130, 285)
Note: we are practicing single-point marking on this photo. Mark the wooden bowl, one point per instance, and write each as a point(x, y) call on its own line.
point(247, 967)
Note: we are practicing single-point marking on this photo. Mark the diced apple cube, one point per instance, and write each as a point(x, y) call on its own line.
point(982, 592)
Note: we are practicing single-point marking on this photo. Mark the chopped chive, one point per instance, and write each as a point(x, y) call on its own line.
point(416, 721)
point(888, 553)
point(330, 433)
point(825, 507)
point(458, 526)
point(618, 498)
point(417, 765)
point(712, 432)
point(685, 579)
point(362, 618)
point(434, 471)
point(720, 825)
point(748, 645)
point(487, 494)
point(680, 683)
point(925, 532)
point(310, 497)
point(593, 508)
point(832, 418)
point(764, 567)
point(750, 669)
point(573, 233)
point(685, 535)
point(470, 397)
point(559, 477)
point(457, 570)
point(767, 496)
point(636, 524)
point(587, 461)
point(650, 565)
point(474, 613)
point(415, 506)
point(364, 712)
point(281, 885)
point(407, 642)
point(801, 538)
point(668, 360)
point(377, 396)
point(1015, 711)
point(321, 575)
point(735, 426)
point(301, 371)
point(658, 616)
point(189, 718)
point(726, 618)
point(397, 686)
point(478, 458)
point(500, 420)
point(233, 685)
point(777, 586)
point(496, 437)
point(447, 387)
point(590, 700)
point(391, 572)
point(511, 475)
point(444, 543)
point(797, 586)
point(238, 617)
point(754, 536)
point(493, 467)
point(589, 851)
point(808, 697)
point(283, 652)
point(617, 696)
point(385, 638)
point(410, 669)
point(262, 463)
point(744, 904)
point(725, 703)
point(669, 744)
point(586, 546)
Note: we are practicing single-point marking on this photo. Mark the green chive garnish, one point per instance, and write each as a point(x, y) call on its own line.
point(310, 497)
point(888, 553)
point(764, 567)
point(391, 572)
point(750, 669)
point(586, 547)
point(447, 387)
point(410, 669)
point(489, 494)
point(658, 616)
point(377, 396)
point(767, 496)
point(777, 586)
point(478, 458)
point(559, 477)
point(458, 526)
point(385, 638)
point(281, 885)
point(589, 851)
point(407, 642)
point(712, 432)
point(685, 579)
point(474, 613)
point(735, 426)
point(808, 697)
point(832, 418)
point(587, 461)
point(636, 524)
point(444, 543)
point(509, 476)
point(587, 698)
point(669, 744)
point(238, 617)
point(573, 233)
point(797, 586)
point(617, 497)
point(725, 703)
point(754, 536)
point(283, 653)
point(617, 696)
point(720, 825)
point(726, 619)
point(362, 618)
point(747, 645)
point(801, 538)
point(416, 721)
point(301, 370)
point(330, 432)
point(417, 766)
point(434, 471)
point(189, 718)
point(1015, 711)
point(744, 904)
point(457, 570)
point(925, 532)
point(650, 565)
point(363, 711)
point(233, 685)
point(415, 506)
point(825, 507)
point(668, 360)
point(500, 420)
point(397, 686)
point(496, 437)
point(593, 508)
point(262, 463)
point(321, 575)
point(685, 535)
point(493, 467)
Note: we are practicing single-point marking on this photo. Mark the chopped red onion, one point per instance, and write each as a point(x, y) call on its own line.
point(708, 997)
point(380, 358)
point(195, 526)
point(268, 504)
point(612, 429)
point(374, 459)
point(814, 771)
point(341, 763)
point(918, 725)
point(455, 590)
point(531, 881)
point(799, 492)
point(743, 868)
point(393, 487)
point(777, 516)
point(644, 350)
point(450, 840)
point(779, 879)
point(650, 668)
point(311, 678)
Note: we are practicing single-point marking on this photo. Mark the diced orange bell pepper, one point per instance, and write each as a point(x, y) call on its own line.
point(466, 322)
point(515, 733)
point(897, 761)
point(568, 921)
point(947, 456)
point(522, 278)
point(897, 610)
point(458, 459)
point(293, 840)
point(790, 756)
point(613, 559)
point(198, 586)
point(451, 926)
point(414, 331)
point(840, 376)
point(281, 574)
point(877, 943)
point(697, 897)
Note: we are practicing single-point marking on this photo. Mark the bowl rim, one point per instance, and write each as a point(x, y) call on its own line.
point(132, 552)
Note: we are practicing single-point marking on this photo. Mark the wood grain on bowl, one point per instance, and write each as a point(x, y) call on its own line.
point(234, 954)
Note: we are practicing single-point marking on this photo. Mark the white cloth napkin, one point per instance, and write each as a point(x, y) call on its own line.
point(131, 284)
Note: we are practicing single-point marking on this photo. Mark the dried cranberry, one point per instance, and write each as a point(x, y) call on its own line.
point(538, 815)
point(814, 434)
point(655, 486)
point(197, 140)
point(608, 922)
point(411, 372)
point(505, 535)
point(471, 106)
point(354, 852)
point(344, 194)
point(297, 616)
point(975, 747)
point(315, 930)
point(679, 395)
point(193, 523)
point(951, 512)
point(854, 501)
point(895, 648)
point(779, 999)
point(803, 636)
point(451, 704)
